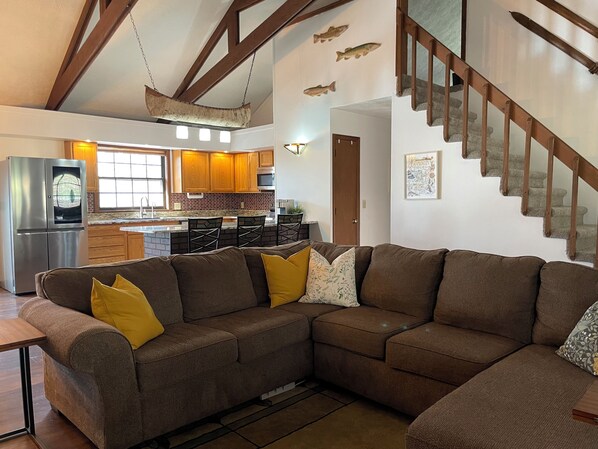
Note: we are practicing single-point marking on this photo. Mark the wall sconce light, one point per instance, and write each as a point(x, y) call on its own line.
point(182, 132)
point(295, 148)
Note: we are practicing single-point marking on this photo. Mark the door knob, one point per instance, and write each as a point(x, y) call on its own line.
point(355, 221)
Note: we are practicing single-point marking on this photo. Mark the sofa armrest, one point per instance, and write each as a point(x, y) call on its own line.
point(90, 375)
point(76, 340)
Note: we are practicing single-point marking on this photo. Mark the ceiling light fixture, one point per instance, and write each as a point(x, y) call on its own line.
point(182, 132)
point(295, 148)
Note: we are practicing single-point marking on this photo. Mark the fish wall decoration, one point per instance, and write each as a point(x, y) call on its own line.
point(332, 33)
point(357, 52)
point(316, 91)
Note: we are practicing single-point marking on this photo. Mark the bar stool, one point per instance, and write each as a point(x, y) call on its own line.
point(250, 230)
point(287, 228)
point(203, 234)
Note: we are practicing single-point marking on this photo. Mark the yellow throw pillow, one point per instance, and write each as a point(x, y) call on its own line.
point(125, 307)
point(286, 277)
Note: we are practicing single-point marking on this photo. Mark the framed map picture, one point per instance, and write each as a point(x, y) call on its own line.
point(421, 176)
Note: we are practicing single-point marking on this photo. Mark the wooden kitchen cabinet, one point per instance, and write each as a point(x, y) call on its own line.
point(88, 152)
point(135, 248)
point(246, 172)
point(222, 173)
point(195, 172)
point(266, 158)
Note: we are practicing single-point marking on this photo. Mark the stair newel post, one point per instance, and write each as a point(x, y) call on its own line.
point(401, 66)
point(485, 95)
point(414, 38)
point(526, 166)
point(466, 82)
point(504, 180)
point(447, 95)
point(572, 241)
point(550, 171)
point(430, 114)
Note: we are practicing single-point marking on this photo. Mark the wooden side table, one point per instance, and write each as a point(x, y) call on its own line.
point(18, 334)
point(586, 409)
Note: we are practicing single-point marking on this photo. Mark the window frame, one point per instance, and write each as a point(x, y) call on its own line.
point(147, 151)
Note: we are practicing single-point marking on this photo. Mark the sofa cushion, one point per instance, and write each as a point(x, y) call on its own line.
point(363, 330)
point(71, 287)
point(446, 353)
point(523, 401)
point(213, 283)
point(310, 311)
point(253, 259)
point(566, 292)
point(403, 279)
point(489, 293)
point(363, 255)
point(182, 352)
point(260, 330)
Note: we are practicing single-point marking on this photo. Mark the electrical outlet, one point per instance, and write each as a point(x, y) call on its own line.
point(177, 206)
point(242, 204)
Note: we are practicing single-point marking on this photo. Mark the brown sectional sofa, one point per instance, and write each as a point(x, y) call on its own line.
point(463, 340)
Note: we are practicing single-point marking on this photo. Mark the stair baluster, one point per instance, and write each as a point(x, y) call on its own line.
point(572, 240)
point(504, 180)
point(466, 82)
point(447, 95)
point(483, 162)
point(414, 67)
point(430, 112)
point(550, 172)
point(526, 166)
point(401, 66)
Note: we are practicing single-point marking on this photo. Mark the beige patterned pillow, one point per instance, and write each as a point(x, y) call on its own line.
point(581, 346)
point(331, 283)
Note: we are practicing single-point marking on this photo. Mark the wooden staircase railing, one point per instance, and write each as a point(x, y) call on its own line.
point(513, 113)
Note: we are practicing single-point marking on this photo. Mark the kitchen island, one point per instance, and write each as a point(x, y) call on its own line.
point(164, 240)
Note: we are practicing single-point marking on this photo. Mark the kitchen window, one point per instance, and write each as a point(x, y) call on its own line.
point(125, 177)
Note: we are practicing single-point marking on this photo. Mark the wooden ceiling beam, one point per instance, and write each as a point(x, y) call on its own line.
point(253, 42)
point(103, 6)
point(80, 62)
point(230, 18)
point(318, 11)
point(78, 34)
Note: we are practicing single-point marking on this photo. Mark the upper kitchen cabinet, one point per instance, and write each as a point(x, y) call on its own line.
point(88, 152)
point(246, 172)
point(266, 158)
point(195, 171)
point(222, 172)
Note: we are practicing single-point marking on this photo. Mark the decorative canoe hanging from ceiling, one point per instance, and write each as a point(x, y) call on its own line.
point(164, 107)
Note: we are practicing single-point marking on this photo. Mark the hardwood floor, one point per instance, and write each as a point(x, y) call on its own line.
point(53, 431)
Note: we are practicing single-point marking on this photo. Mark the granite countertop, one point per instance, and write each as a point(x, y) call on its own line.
point(183, 227)
point(180, 216)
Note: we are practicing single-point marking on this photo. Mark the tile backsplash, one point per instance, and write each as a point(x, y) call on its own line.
point(212, 201)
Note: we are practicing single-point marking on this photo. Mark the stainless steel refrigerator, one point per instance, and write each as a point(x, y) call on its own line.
point(43, 218)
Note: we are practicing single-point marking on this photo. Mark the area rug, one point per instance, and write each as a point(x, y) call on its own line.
point(311, 416)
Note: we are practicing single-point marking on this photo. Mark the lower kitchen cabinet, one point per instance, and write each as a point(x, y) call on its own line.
point(135, 246)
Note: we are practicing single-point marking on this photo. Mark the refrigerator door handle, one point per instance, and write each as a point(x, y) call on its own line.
point(31, 231)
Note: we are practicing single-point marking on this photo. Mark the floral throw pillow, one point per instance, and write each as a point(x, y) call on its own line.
point(581, 346)
point(331, 283)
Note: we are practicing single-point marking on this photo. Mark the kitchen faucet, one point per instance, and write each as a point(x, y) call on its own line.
point(147, 203)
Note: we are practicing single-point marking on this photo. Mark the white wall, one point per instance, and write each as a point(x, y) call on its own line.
point(299, 64)
point(52, 125)
point(471, 213)
point(29, 147)
point(374, 182)
point(252, 138)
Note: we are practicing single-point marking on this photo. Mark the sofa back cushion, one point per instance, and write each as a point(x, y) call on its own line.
point(71, 287)
point(363, 255)
point(213, 283)
point(253, 259)
point(489, 293)
point(567, 290)
point(403, 280)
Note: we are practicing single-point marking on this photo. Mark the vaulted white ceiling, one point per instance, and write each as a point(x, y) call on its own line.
point(35, 35)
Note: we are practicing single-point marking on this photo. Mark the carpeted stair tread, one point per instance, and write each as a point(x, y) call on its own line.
point(516, 173)
point(422, 99)
point(583, 232)
point(537, 196)
point(423, 84)
point(585, 256)
point(456, 123)
point(438, 110)
point(557, 211)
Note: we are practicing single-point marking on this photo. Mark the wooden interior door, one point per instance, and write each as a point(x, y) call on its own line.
point(345, 189)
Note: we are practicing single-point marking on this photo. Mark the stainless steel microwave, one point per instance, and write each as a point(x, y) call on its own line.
point(265, 178)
